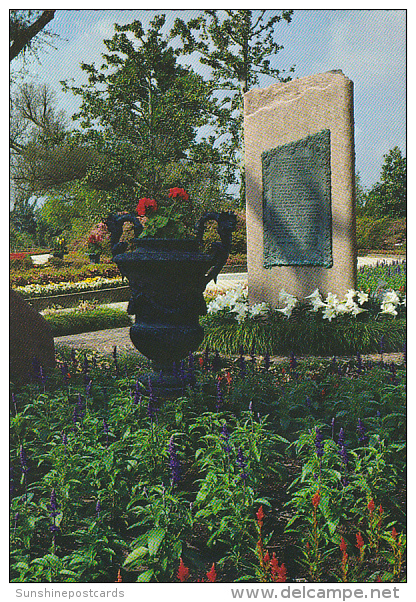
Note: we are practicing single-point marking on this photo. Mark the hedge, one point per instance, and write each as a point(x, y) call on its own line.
point(77, 322)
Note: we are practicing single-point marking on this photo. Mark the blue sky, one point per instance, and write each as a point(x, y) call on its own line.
point(368, 45)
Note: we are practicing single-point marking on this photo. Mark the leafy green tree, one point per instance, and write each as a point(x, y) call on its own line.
point(388, 197)
point(237, 45)
point(141, 111)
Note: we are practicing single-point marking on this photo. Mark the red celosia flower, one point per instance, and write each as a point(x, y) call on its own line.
point(119, 579)
point(343, 545)
point(371, 505)
point(394, 533)
point(212, 575)
point(281, 574)
point(201, 362)
point(229, 378)
point(360, 541)
point(274, 563)
point(380, 510)
point(260, 515)
point(316, 499)
point(146, 206)
point(183, 572)
point(178, 192)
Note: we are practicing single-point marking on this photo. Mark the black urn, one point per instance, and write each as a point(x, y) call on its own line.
point(167, 278)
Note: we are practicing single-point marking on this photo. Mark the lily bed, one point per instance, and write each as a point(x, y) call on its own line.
point(260, 470)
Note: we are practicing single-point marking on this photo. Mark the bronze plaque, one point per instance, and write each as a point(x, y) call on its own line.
point(297, 224)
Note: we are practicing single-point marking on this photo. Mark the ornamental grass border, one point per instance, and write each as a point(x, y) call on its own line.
point(280, 336)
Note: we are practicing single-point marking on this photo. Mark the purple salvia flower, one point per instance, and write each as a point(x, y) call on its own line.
point(88, 388)
point(332, 427)
point(85, 365)
point(137, 400)
point(344, 481)
point(250, 406)
point(64, 372)
point(344, 455)
point(94, 361)
point(64, 441)
point(23, 461)
point(53, 507)
point(404, 354)
point(174, 463)
point(42, 377)
point(191, 360)
point(14, 403)
point(241, 461)
point(225, 436)
point(319, 445)
point(293, 362)
point(341, 437)
point(361, 430)
point(98, 508)
point(35, 368)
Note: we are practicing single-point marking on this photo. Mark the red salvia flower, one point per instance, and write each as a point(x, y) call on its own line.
point(316, 499)
point(183, 572)
point(266, 558)
point(146, 206)
point(360, 541)
point(119, 579)
point(394, 533)
point(201, 362)
point(371, 505)
point(380, 510)
point(178, 192)
point(343, 545)
point(260, 515)
point(212, 575)
point(378, 580)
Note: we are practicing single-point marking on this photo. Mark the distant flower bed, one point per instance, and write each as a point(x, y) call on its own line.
point(18, 256)
point(61, 288)
point(234, 303)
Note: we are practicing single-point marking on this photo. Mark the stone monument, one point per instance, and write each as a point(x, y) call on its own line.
point(300, 167)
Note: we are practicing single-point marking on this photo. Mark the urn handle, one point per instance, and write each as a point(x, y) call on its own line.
point(115, 223)
point(226, 224)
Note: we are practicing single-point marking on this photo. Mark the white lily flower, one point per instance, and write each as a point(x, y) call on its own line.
point(329, 313)
point(315, 295)
point(388, 308)
point(362, 297)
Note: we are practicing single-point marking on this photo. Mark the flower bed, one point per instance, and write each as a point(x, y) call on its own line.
point(89, 284)
point(359, 323)
point(261, 472)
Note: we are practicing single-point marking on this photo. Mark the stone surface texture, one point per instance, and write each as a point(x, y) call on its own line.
point(30, 337)
point(285, 113)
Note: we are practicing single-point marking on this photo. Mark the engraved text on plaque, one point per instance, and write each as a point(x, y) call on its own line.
point(297, 203)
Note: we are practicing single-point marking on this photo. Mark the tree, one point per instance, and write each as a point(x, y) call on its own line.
point(141, 111)
point(237, 45)
point(388, 197)
point(25, 27)
point(44, 153)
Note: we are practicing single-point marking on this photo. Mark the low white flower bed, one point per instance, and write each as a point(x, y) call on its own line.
point(61, 288)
